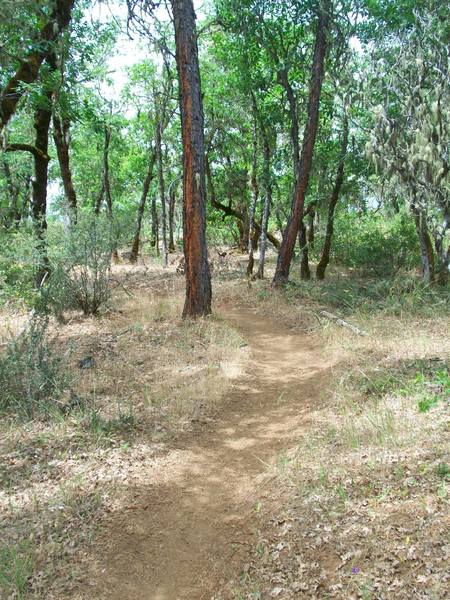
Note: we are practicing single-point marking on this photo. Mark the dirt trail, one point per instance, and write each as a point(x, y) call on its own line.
point(199, 521)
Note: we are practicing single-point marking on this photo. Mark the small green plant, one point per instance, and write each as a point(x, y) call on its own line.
point(32, 378)
point(426, 403)
point(323, 476)
point(18, 266)
point(124, 421)
point(443, 470)
point(432, 388)
point(16, 567)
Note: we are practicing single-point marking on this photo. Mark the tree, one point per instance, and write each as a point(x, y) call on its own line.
point(198, 280)
point(325, 257)
point(28, 70)
point(317, 71)
point(411, 127)
point(140, 213)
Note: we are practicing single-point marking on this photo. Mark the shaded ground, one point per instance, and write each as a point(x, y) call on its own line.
point(193, 522)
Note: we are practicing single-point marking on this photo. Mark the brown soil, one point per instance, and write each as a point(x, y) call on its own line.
point(194, 522)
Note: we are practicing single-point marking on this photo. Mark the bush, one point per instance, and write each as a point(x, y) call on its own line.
point(80, 262)
point(19, 258)
point(32, 379)
point(373, 243)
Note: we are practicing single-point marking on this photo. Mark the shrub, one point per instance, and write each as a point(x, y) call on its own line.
point(80, 261)
point(373, 243)
point(31, 376)
point(18, 266)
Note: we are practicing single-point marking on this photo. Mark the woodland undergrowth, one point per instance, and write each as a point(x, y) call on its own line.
point(360, 506)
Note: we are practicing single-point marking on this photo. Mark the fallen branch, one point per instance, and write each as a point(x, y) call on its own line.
point(120, 284)
point(342, 322)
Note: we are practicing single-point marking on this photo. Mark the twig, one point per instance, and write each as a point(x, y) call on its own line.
point(342, 322)
point(127, 292)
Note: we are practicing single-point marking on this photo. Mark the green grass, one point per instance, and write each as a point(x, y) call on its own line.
point(427, 382)
point(16, 568)
point(397, 295)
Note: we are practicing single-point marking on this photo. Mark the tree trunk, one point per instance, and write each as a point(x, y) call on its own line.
point(172, 202)
point(309, 138)
point(325, 258)
point(426, 248)
point(154, 242)
point(198, 279)
point(443, 275)
point(310, 228)
point(440, 235)
point(230, 211)
point(61, 136)
point(107, 188)
point(284, 81)
point(99, 199)
point(29, 68)
point(255, 194)
point(14, 215)
point(267, 182)
point(162, 193)
point(243, 235)
point(140, 214)
point(42, 120)
point(305, 273)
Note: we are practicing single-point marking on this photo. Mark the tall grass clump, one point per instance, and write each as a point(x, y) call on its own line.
point(32, 376)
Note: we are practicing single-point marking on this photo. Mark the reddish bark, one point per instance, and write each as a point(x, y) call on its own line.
point(317, 71)
point(198, 279)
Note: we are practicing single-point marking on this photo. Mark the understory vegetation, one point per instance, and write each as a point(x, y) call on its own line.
point(360, 506)
point(125, 384)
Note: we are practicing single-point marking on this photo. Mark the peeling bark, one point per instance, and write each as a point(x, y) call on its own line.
point(198, 279)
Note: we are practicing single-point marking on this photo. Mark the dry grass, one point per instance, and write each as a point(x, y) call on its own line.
point(360, 506)
point(150, 377)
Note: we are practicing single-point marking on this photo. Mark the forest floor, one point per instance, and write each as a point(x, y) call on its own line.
point(264, 452)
